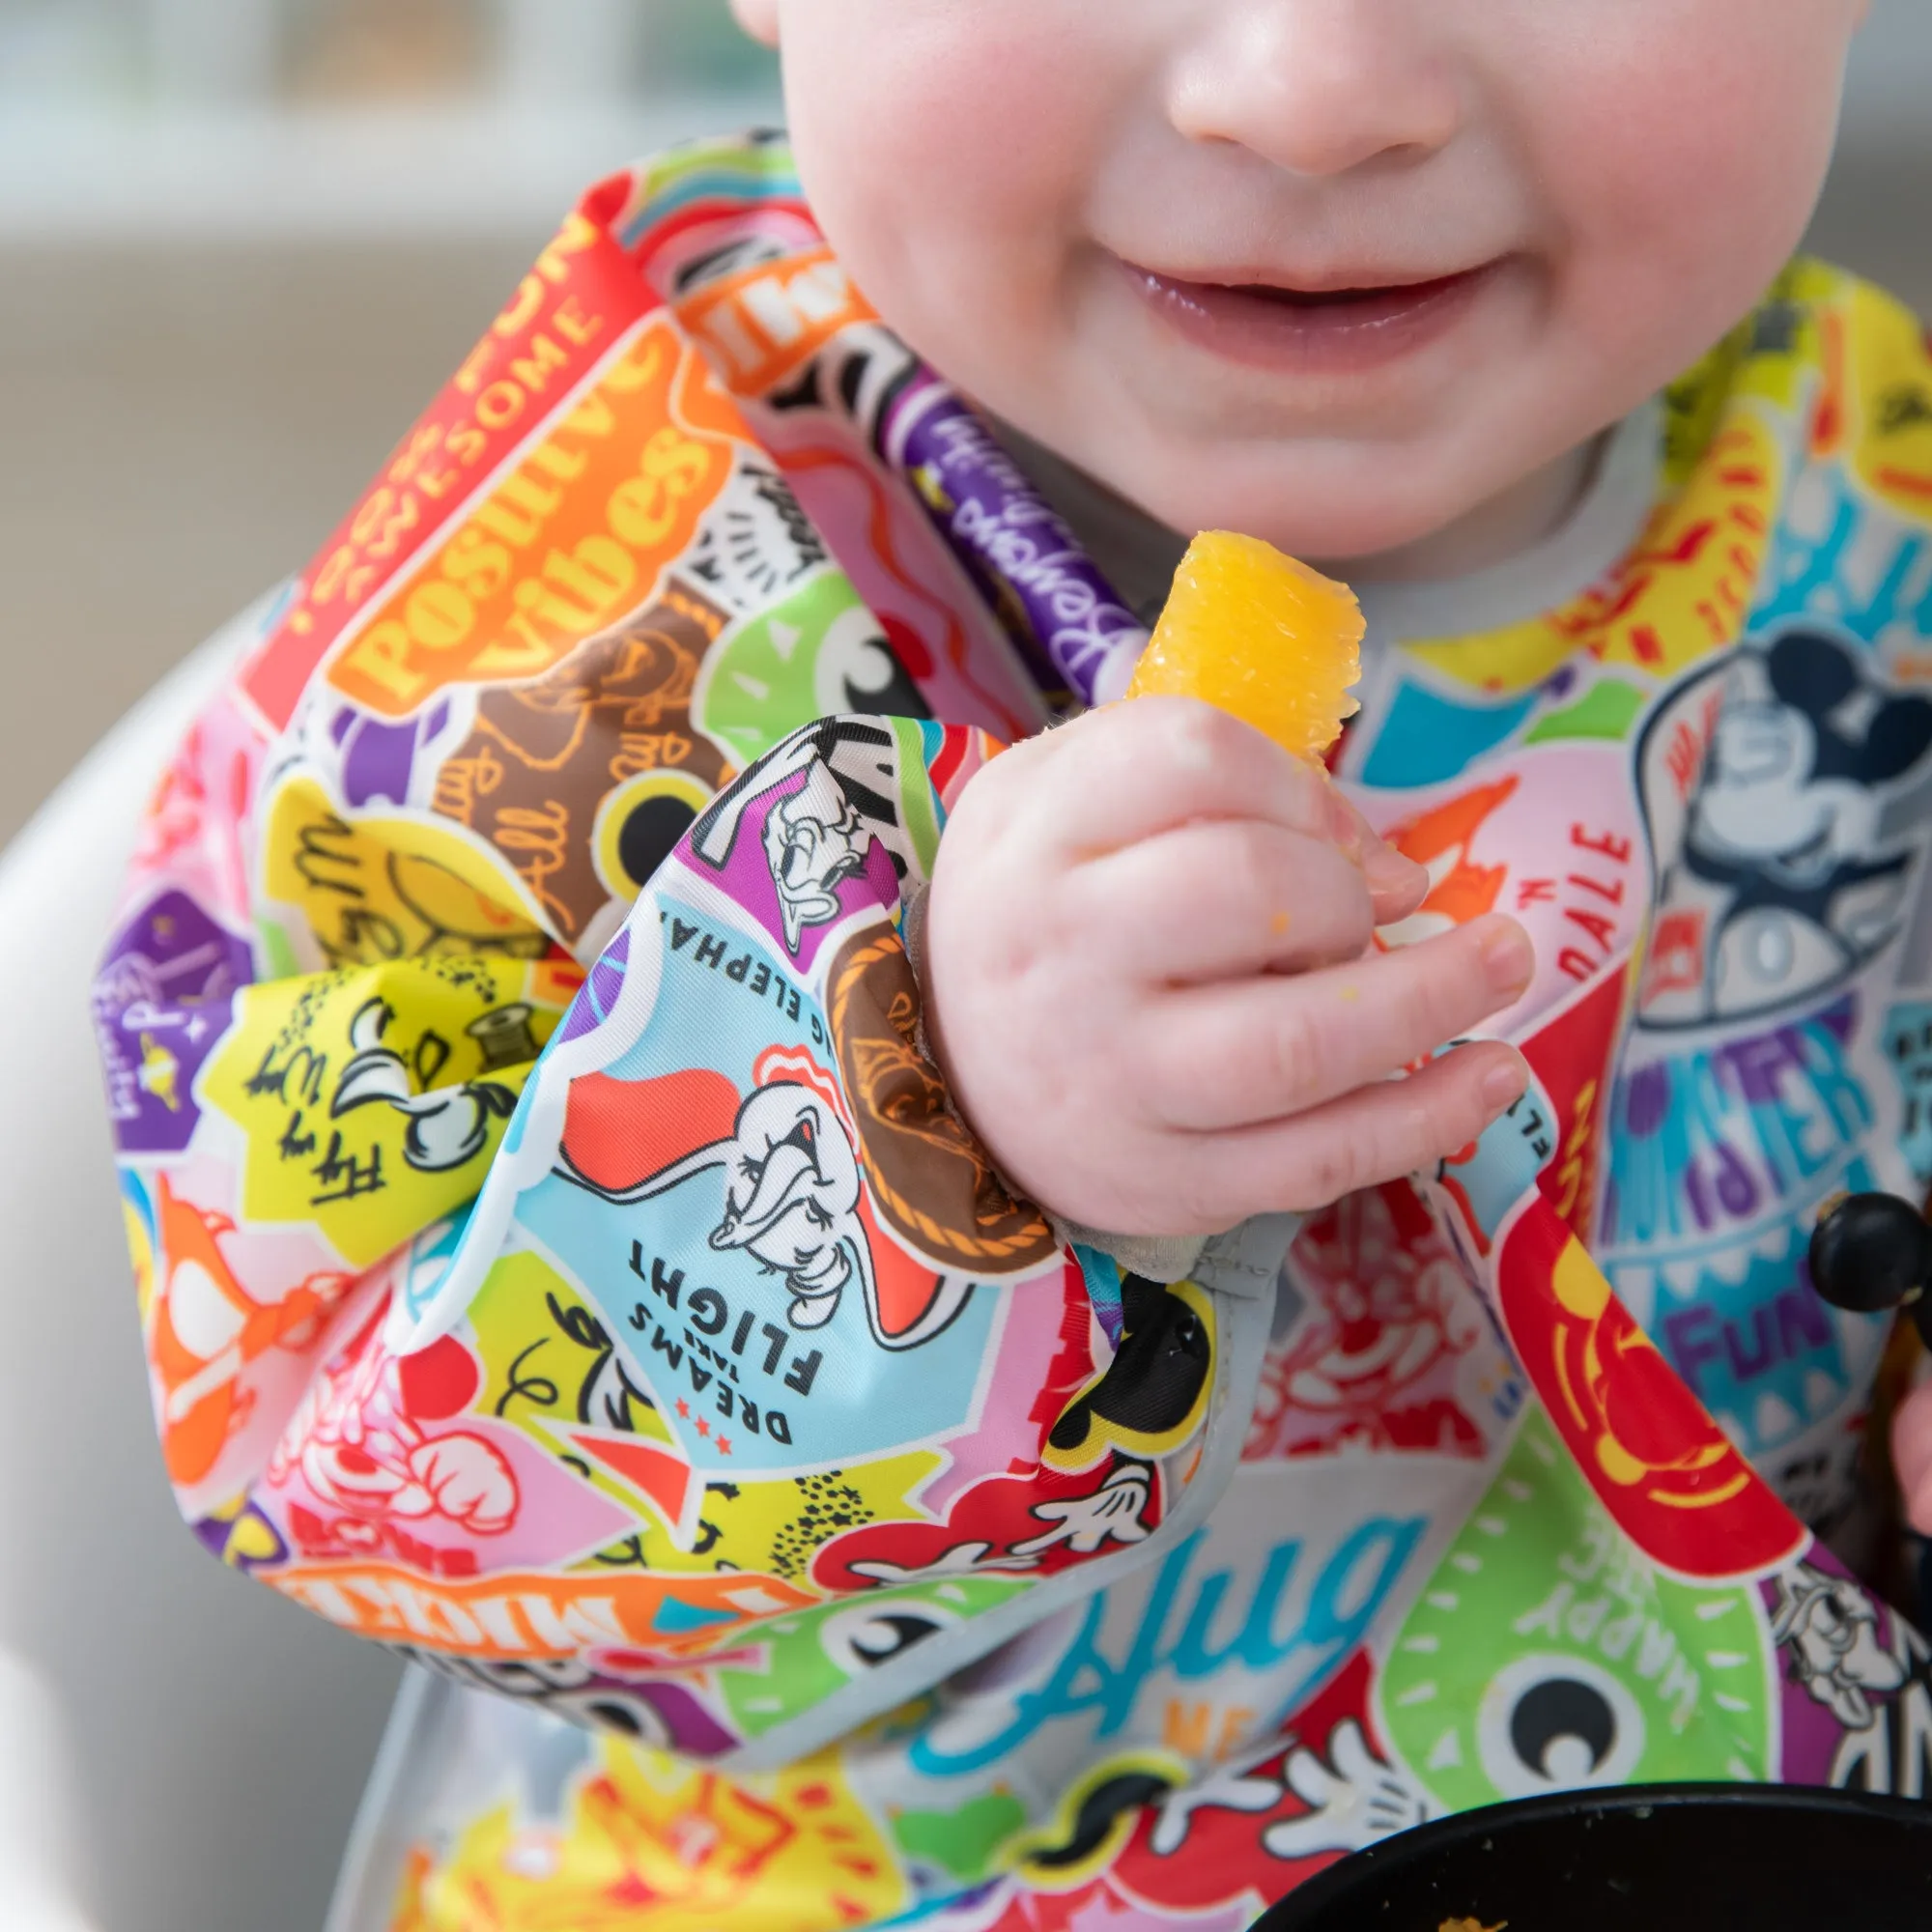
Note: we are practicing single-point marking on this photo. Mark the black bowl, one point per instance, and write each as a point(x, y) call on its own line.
point(1676, 1858)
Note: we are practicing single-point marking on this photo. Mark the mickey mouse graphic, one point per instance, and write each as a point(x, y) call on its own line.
point(1795, 854)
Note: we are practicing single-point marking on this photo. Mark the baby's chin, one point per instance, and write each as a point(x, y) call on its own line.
point(1469, 490)
point(1323, 512)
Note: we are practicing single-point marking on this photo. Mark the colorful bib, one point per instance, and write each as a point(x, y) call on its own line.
point(561, 1259)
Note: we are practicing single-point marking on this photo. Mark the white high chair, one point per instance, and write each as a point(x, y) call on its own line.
point(217, 1737)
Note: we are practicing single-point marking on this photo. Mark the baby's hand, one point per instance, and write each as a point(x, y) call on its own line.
point(1144, 950)
point(1911, 1455)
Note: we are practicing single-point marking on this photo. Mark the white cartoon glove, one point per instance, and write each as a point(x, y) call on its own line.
point(962, 1559)
point(1112, 1514)
point(1232, 1787)
point(1355, 1799)
point(463, 1478)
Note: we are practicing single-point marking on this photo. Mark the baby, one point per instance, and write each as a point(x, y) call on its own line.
point(745, 1194)
point(1375, 282)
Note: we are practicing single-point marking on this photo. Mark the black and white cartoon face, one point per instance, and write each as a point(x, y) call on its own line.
point(791, 1199)
point(1829, 1630)
point(814, 840)
point(760, 544)
point(1795, 844)
point(840, 781)
point(447, 1125)
point(791, 1195)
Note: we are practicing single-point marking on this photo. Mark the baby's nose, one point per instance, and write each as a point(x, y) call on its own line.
point(1318, 87)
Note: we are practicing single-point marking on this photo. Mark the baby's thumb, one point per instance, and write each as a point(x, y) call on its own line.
point(1397, 885)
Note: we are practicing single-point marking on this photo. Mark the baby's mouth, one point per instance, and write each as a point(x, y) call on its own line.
point(1329, 331)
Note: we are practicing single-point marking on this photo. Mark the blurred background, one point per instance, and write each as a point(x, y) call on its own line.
point(242, 243)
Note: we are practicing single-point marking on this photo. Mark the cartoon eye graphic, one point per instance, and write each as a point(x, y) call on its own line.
point(607, 1710)
point(857, 670)
point(1557, 1724)
point(639, 823)
point(866, 1635)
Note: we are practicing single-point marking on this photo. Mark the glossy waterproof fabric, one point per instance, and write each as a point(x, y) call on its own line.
point(558, 1256)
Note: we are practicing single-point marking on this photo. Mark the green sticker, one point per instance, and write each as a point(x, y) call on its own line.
point(1548, 1653)
point(1609, 709)
point(817, 653)
point(917, 812)
point(963, 1842)
point(812, 1653)
point(277, 954)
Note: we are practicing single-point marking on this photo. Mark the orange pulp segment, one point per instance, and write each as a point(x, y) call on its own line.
point(1261, 635)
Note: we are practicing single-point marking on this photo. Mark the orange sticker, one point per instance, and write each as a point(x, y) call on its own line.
point(578, 300)
point(531, 1614)
point(576, 537)
point(767, 321)
point(1439, 839)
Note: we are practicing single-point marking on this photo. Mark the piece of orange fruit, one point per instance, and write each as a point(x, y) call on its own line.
point(1261, 635)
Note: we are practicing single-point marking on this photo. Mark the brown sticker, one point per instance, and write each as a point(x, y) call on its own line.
point(586, 778)
point(933, 1181)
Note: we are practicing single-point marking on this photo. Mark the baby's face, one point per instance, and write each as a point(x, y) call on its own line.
point(1335, 272)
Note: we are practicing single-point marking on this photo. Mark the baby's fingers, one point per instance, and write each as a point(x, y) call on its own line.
point(1224, 898)
point(1262, 1049)
point(1397, 884)
point(1379, 1133)
point(1131, 771)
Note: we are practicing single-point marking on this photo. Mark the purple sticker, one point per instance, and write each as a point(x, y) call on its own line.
point(800, 858)
point(378, 757)
point(160, 1004)
point(597, 998)
point(248, 1542)
point(1844, 1663)
point(1071, 624)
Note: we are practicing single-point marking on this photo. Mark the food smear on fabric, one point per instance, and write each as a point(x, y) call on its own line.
point(1261, 635)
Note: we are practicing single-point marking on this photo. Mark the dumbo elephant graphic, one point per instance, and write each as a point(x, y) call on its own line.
point(793, 1197)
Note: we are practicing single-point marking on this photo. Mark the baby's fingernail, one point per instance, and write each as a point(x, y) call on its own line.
point(1344, 829)
point(1508, 956)
point(1504, 1082)
point(1387, 870)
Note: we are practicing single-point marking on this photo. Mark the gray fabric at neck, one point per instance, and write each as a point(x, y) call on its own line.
point(1139, 554)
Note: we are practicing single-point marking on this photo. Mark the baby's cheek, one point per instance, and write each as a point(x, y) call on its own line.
point(947, 158)
point(1682, 159)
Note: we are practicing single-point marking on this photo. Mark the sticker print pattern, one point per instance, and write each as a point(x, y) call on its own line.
point(559, 1254)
